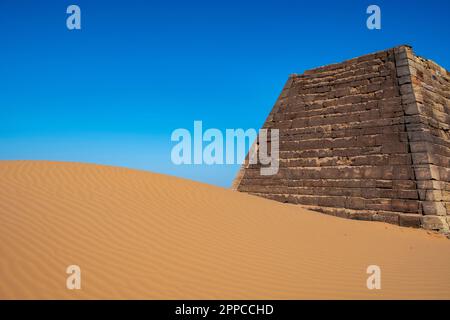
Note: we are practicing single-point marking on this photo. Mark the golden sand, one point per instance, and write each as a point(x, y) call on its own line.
point(140, 235)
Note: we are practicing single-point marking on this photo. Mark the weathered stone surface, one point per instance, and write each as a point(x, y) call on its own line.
point(410, 220)
point(368, 138)
point(434, 208)
point(438, 223)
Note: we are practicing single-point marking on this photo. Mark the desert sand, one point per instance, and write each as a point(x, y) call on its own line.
point(141, 235)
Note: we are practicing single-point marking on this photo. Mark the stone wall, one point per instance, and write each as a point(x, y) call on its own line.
point(430, 138)
point(365, 139)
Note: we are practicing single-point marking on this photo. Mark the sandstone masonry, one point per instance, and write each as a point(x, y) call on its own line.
point(367, 139)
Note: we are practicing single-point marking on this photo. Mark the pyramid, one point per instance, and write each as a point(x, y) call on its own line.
point(367, 139)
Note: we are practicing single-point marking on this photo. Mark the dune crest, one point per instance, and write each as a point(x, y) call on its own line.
point(140, 235)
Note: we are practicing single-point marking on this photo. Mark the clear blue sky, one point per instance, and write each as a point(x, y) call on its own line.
point(113, 92)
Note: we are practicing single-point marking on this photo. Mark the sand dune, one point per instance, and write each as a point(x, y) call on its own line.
point(141, 235)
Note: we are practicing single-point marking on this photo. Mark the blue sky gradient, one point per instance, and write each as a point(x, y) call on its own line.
point(113, 92)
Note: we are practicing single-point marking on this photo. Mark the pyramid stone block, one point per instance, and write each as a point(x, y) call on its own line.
point(368, 138)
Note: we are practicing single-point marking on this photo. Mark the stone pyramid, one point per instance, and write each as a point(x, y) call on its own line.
point(368, 138)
